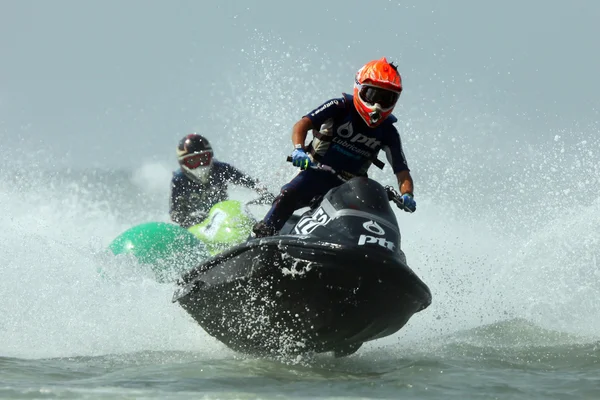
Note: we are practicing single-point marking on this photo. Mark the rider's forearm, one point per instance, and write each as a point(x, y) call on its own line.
point(300, 131)
point(405, 182)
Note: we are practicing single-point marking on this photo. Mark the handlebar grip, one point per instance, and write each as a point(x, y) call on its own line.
point(289, 159)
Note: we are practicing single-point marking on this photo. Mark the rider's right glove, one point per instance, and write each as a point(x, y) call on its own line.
point(409, 202)
point(300, 159)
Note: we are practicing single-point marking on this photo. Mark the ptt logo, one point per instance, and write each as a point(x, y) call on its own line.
point(374, 227)
point(368, 239)
point(346, 131)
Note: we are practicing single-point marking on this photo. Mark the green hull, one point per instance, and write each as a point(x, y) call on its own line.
point(226, 225)
point(169, 249)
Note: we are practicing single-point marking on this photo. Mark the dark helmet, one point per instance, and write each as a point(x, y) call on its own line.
point(195, 155)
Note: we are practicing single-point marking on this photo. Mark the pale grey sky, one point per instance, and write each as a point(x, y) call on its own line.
point(116, 82)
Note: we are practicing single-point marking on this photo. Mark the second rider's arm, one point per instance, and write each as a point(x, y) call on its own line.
point(181, 211)
point(237, 177)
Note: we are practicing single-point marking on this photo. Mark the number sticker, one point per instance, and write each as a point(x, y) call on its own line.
point(214, 224)
point(308, 224)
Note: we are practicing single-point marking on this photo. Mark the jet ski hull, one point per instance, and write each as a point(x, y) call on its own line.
point(293, 294)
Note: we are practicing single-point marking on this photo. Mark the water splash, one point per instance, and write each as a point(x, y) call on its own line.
point(54, 301)
point(505, 228)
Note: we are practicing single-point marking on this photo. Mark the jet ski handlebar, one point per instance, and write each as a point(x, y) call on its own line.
point(392, 193)
point(326, 168)
point(396, 198)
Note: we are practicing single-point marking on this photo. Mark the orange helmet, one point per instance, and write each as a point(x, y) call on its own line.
point(377, 87)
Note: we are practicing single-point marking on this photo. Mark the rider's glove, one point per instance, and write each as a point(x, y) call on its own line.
point(409, 202)
point(300, 159)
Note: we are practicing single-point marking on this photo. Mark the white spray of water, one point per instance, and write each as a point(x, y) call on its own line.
point(54, 302)
point(488, 252)
point(484, 186)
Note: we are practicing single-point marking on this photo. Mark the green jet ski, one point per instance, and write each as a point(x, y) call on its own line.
point(170, 250)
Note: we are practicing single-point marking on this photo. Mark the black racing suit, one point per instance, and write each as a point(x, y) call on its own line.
point(191, 201)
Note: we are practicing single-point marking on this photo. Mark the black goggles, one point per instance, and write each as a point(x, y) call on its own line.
point(375, 95)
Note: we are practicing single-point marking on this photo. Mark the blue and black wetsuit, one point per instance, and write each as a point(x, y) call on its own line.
point(191, 200)
point(343, 142)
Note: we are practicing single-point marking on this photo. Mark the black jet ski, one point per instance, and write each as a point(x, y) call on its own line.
point(332, 279)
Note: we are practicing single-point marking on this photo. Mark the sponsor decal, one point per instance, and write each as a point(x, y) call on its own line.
point(324, 106)
point(374, 227)
point(346, 131)
point(347, 153)
point(309, 223)
point(368, 239)
point(217, 219)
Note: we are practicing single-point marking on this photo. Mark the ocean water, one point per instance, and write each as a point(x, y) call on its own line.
point(513, 316)
point(499, 124)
